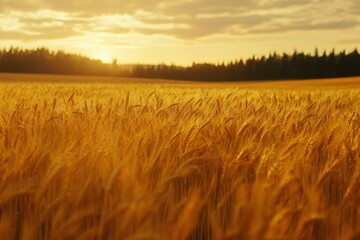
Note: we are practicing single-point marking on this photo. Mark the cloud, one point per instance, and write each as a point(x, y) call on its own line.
point(183, 19)
point(91, 7)
point(305, 26)
point(201, 26)
point(355, 8)
point(284, 3)
point(351, 41)
point(34, 25)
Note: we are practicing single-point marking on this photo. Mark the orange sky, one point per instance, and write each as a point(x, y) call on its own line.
point(180, 31)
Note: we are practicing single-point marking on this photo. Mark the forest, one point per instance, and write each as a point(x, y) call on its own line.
point(297, 65)
point(42, 60)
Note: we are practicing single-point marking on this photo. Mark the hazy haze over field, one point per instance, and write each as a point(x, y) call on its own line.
point(153, 31)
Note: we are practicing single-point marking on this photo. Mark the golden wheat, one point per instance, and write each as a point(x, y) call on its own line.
point(139, 161)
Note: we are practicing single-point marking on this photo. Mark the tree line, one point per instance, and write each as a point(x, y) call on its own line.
point(42, 60)
point(275, 66)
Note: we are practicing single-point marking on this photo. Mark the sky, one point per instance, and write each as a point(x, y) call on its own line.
point(180, 31)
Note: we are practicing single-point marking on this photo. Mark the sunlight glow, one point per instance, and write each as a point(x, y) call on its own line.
point(102, 54)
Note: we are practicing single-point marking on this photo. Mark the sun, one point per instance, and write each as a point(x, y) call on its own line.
point(103, 55)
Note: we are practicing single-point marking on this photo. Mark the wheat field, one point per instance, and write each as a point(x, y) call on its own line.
point(161, 161)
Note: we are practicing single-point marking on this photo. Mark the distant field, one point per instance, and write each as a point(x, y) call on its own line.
point(353, 82)
point(127, 159)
